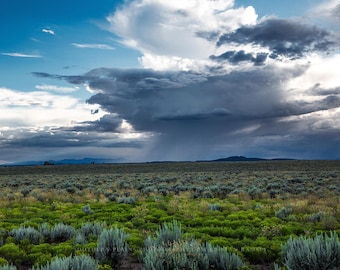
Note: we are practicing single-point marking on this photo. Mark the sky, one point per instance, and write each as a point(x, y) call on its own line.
point(147, 80)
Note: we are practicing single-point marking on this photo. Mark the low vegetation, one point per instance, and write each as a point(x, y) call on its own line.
point(223, 215)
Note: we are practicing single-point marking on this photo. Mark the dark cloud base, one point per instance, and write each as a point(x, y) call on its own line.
point(192, 114)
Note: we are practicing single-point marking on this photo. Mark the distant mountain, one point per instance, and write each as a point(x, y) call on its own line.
point(242, 158)
point(63, 161)
point(107, 161)
point(239, 158)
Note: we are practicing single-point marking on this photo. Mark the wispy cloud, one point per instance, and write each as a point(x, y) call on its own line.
point(93, 46)
point(55, 88)
point(48, 31)
point(22, 55)
point(329, 9)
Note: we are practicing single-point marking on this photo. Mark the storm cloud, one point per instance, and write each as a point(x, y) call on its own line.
point(187, 110)
point(236, 57)
point(284, 37)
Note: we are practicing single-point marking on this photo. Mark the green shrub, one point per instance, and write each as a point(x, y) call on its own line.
point(82, 262)
point(3, 262)
point(62, 233)
point(255, 255)
point(62, 249)
point(40, 254)
point(29, 233)
point(39, 258)
point(112, 246)
point(319, 253)
point(12, 253)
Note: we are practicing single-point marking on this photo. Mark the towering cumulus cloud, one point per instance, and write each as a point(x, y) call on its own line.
point(219, 81)
point(177, 34)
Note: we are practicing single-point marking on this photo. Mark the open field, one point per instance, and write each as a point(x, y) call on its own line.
point(252, 208)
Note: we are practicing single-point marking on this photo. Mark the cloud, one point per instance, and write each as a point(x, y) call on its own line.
point(22, 55)
point(55, 88)
point(211, 32)
point(232, 85)
point(41, 108)
point(34, 121)
point(187, 115)
point(329, 9)
point(235, 57)
point(284, 37)
point(156, 27)
point(48, 31)
point(93, 46)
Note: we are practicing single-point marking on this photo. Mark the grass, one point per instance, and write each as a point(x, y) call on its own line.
point(237, 205)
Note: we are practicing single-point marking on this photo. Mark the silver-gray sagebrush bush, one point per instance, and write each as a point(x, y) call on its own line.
point(112, 247)
point(168, 250)
point(62, 232)
point(29, 233)
point(319, 253)
point(81, 262)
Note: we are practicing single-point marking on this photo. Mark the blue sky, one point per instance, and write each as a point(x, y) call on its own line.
point(151, 80)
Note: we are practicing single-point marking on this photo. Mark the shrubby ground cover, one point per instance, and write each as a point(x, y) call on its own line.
point(252, 210)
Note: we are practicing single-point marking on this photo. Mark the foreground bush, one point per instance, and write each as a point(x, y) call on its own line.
point(177, 255)
point(112, 247)
point(12, 253)
point(221, 258)
point(82, 262)
point(167, 233)
point(168, 250)
point(319, 253)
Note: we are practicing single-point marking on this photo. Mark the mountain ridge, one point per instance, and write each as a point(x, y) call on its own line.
point(88, 160)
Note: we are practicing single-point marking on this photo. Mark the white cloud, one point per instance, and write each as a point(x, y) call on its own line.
point(61, 89)
point(39, 109)
point(48, 31)
point(16, 54)
point(322, 70)
point(177, 29)
point(93, 46)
